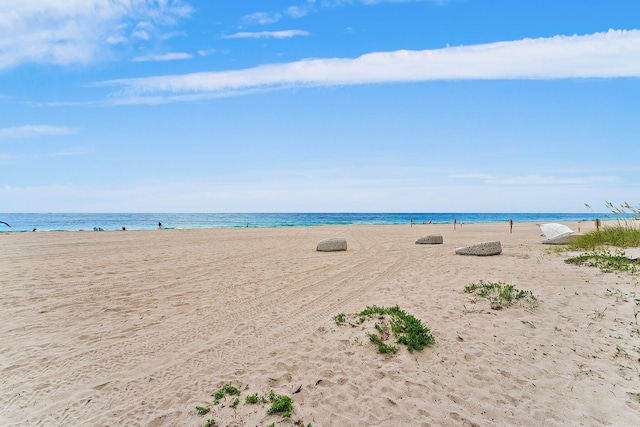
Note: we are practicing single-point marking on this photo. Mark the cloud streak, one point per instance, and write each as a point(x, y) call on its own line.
point(163, 57)
point(611, 54)
point(32, 131)
point(537, 180)
point(285, 34)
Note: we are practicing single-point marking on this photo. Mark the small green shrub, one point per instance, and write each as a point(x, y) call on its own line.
point(382, 347)
point(202, 410)
point(606, 261)
point(252, 398)
point(210, 423)
point(339, 318)
point(281, 405)
point(229, 389)
point(226, 389)
point(407, 329)
point(499, 294)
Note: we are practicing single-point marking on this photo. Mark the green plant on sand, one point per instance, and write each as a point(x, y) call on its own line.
point(606, 261)
point(339, 318)
point(499, 294)
point(226, 389)
point(624, 232)
point(406, 329)
point(252, 398)
point(202, 410)
point(280, 404)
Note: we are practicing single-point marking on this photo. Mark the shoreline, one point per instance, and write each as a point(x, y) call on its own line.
point(115, 222)
point(141, 327)
point(574, 224)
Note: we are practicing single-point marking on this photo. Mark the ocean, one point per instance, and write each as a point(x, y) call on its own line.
point(21, 222)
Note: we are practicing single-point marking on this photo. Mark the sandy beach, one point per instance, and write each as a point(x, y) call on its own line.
point(140, 327)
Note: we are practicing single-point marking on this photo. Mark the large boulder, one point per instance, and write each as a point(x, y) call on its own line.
point(431, 239)
point(332, 245)
point(481, 249)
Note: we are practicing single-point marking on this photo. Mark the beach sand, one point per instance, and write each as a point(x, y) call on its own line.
point(140, 327)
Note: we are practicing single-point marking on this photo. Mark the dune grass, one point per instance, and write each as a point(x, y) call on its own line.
point(623, 233)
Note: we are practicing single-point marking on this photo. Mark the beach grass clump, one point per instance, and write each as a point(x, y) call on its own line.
point(252, 398)
point(281, 404)
point(499, 294)
point(606, 261)
point(226, 389)
point(406, 328)
point(210, 423)
point(202, 410)
point(382, 346)
point(339, 318)
point(274, 404)
point(610, 235)
point(623, 233)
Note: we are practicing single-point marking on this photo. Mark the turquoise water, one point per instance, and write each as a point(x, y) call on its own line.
point(147, 221)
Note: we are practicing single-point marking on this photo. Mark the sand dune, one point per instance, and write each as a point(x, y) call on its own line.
point(140, 327)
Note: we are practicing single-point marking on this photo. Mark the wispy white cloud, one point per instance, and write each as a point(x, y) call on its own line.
point(538, 180)
point(163, 57)
point(73, 152)
point(613, 54)
point(78, 31)
point(206, 52)
point(478, 176)
point(310, 6)
point(31, 131)
point(296, 12)
point(285, 34)
point(261, 18)
point(173, 34)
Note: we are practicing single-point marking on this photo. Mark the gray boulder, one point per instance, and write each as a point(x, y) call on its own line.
point(332, 245)
point(431, 239)
point(481, 249)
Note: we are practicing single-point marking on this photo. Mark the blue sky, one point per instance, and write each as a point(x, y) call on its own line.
point(318, 106)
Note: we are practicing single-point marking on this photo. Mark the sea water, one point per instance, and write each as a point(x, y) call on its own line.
point(146, 221)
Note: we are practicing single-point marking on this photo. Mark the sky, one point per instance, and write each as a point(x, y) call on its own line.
point(319, 105)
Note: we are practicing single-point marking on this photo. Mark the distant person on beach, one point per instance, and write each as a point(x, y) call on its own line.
point(159, 226)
